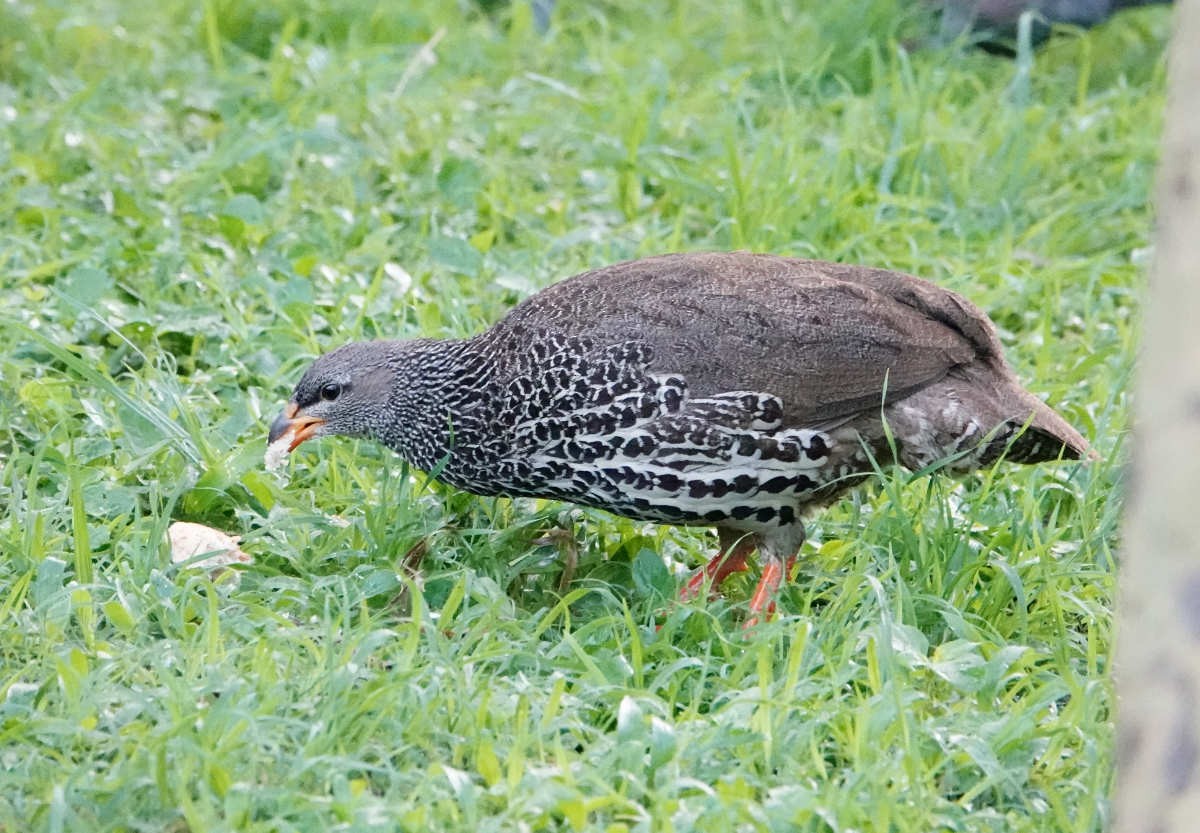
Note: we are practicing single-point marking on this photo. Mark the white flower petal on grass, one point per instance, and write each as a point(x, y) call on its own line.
point(399, 275)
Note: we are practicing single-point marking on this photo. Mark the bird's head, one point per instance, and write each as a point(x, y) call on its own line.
point(343, 392)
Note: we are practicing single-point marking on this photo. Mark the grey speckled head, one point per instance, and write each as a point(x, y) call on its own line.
point(342, 392)
point(371, 390)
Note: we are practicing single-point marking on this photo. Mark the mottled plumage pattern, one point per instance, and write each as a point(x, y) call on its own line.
point(725, 389)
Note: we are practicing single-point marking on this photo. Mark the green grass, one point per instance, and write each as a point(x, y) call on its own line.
point(197, 198)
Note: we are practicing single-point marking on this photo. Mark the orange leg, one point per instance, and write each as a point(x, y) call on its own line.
point(763, 601)
point(720, 567)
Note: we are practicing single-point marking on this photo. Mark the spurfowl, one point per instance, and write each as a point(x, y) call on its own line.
point(728, 390)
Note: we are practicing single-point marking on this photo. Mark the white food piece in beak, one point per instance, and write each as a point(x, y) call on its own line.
point(277, 453)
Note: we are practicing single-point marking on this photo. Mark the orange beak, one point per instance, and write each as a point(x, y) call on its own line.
point(291, 423)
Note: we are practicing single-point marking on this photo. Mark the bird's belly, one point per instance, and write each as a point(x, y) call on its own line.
point(710, 494)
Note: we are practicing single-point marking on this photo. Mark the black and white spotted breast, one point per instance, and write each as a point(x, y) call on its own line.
point(592, 426)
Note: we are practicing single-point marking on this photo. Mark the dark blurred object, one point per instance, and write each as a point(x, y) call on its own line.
point(542, 10)
point(994, 22)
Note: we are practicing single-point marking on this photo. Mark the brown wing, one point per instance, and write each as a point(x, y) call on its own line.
point(825, 338)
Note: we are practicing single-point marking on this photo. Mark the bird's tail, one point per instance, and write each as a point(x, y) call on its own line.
point(1046, 436)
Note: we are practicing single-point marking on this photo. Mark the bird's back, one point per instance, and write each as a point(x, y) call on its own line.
point(833, 342)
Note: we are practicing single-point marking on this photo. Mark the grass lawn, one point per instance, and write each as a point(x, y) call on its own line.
point(196, 198)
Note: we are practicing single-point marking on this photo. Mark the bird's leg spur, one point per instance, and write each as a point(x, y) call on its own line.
point(729, 560)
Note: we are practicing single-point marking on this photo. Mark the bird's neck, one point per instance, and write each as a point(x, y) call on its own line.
point(439, 401)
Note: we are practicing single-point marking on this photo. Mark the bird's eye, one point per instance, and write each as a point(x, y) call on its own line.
point(331, 391)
